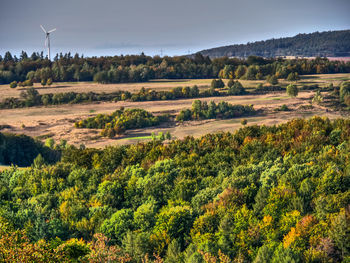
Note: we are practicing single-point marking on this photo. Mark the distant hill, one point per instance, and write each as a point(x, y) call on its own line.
point(324, 44)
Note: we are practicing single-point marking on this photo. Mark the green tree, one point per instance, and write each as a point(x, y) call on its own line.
point(318, 98)
point(340, 232)
point(31, 96)
point(196, 108)
point(230, 83)
point(39, 161)
point(236, 89)
point(264, 254)
point(168, 135)
point(228, 72)
point(173, 254)
point(144, 216)
point(292, 90)
point(161, 136)
point(240, 71)
point(50, 143)
point(344, 91)
point(118, 225)
point(137, 245)
point(251, 72)
point(293, 76)
point(272, 79)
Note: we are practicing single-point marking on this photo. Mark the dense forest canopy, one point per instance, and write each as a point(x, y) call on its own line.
point(317, 44)
point(261, 194)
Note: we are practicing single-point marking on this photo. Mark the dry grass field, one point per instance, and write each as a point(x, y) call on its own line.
point(57, 122)
point(164, 84)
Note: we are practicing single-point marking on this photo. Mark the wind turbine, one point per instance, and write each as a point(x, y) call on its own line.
point(47, 40)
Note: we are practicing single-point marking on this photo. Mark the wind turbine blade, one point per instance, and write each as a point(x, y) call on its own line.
point(43, 29)
point(46, 41)
point(51, 30)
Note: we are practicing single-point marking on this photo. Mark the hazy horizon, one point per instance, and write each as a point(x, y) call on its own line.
point(108, 28)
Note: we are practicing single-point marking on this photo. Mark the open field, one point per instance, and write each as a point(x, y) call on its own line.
point(57, 122)
point(6, 91)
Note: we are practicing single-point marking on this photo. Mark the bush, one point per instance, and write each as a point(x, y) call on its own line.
point(217, 84)
point(284, 107)
point(49, 82)
point(13, 84)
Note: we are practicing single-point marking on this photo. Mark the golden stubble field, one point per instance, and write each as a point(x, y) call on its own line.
point(57, 122)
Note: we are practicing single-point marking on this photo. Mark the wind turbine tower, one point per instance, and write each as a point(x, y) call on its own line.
point(47, 39)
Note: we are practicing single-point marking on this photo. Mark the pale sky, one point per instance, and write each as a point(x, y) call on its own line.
point(114, 27)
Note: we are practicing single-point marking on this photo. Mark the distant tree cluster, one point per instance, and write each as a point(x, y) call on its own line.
point(120, 121)
point(223, 110)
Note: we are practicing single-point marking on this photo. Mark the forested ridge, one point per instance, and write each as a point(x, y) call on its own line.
point(317, 44)
point(261, 194)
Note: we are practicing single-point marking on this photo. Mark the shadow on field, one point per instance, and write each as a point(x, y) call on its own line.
point(47, 87)
point(309, 77)
point(168, 80)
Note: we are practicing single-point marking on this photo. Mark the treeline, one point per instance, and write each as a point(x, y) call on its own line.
point(31, 97)
point(121, 120)
point(223, 110)
point(261, 194)
point(136, 68)
point(317, 44)
point(175, 93)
